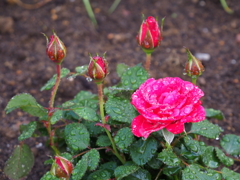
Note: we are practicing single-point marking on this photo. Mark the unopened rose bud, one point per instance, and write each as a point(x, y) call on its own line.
point(62, 168)
point(193, 67)
point(56, 50)
point(98, 68)
point(149, 36)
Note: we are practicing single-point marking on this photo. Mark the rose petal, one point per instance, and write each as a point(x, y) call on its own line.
point(141, 127)
point(176, 127)
point(168, 100)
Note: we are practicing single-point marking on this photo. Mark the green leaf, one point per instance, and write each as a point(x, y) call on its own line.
point(92, 129)
point(81, 69)
point(89, 161)
point(86, 99)
point(49, 161)
point(197, 173)
point(52, 81)
point(57, 115)
point(209, 157)
point(120, 109)
point(227, 161)
point(169, 170)
point(168, 136)
point(20, 163)
point(229, 174)
point(99, 175)
point(206, 129)
point(188, 154)
point(70, 115)
point(140, 174)
point(103, 140)
point(155, 163)
point(142, 151)
point(86, 113)
point(133, 77)
point(26, 103)
point(125, 170)
point(28, 131)
point(212, 113)
point(109, 166)
point(68, 156)
point(77, 136)
point(80, 168)
point(231, 144)
point(169, 158)
point(93, 159)
point(121, 68)
point(49, 176)
point(124, 138)
point(194, 146)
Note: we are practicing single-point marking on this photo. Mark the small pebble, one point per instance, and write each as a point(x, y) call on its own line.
point(203, 56)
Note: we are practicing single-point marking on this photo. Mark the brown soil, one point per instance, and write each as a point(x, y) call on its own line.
point(202, 26)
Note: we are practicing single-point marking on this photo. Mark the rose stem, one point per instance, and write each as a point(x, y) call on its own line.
point(51, 104)
point(148, 61)
point(194, 81)
point(100, 96)
point(158, 174)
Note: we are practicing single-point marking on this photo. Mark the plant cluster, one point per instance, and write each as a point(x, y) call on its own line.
point(135, 130)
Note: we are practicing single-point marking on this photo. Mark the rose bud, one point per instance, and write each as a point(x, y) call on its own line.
point(98, 68)
point(193, 67)
point(56, 50)
point(149, 36)
point(62, 168)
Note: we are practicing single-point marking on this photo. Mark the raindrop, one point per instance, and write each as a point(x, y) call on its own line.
point(217, 138)
point(191, 177)
point(116, 139)
point(129, 73)
point(123, 137)
point(89, 79)
point(226, 139)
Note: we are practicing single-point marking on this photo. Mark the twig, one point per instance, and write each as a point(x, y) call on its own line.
point(30, 6)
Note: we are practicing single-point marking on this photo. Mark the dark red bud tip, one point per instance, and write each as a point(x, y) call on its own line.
point(149, 36)
point(97, 69)
point(63, 167)
point(193, 67)
point(56, 50)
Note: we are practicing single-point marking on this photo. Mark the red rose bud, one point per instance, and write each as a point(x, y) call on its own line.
point(194, 66)
point(149, 36)
point(56, 50)
point(62, 167)
point(98, 68)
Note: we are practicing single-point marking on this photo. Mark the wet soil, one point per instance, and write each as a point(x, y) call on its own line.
point(202, 26)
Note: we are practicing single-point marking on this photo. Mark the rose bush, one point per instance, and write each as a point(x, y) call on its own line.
point(166, 103)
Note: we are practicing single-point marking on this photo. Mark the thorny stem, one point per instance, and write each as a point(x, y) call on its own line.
point(194, 80)
point(89, 150)
point(31, 6)
point(55, 88)
point(235, 159)
point(148, 61)
point(51, 106)
point(101, 102)
point(158, 174)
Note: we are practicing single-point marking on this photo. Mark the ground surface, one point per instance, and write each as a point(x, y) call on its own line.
point(202, 26)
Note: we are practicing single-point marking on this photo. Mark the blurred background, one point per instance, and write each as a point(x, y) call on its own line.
point(212, 34)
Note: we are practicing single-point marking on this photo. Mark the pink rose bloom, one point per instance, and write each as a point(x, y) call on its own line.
point(166, 103)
